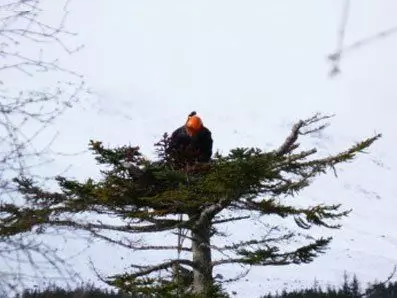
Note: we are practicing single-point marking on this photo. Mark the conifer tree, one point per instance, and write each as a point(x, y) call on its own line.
point(155, 196)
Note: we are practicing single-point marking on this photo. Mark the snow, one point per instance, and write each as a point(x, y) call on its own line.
point(250, 70)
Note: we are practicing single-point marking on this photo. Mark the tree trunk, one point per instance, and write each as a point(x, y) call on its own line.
point(202, 273)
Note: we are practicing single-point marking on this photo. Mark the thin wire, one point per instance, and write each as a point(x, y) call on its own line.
point(179, 256)
point(372, 38)
point(336, 56)
point(181, 237)
point(343, 25)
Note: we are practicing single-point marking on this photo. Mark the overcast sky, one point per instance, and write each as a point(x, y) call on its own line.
point(250, 69)
point(245, 68)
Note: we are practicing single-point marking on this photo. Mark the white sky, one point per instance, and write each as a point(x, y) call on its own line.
point(250, 69)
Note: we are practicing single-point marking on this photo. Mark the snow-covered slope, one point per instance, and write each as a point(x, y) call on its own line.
point(250, 70)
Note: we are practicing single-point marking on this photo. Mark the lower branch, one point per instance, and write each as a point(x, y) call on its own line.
point(270, 255)
point(163, 266)
point(220, 221)
point(133, 246)
point(244, 261)
point(124, 228)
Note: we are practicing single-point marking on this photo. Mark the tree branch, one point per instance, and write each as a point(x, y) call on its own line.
point(150, 269)
point(132, 246)
point(209, 212)
point(271, 256)
point(287, 146)
point(125, 228)
point(221, 221)
point(241, 244)
point(244, 260)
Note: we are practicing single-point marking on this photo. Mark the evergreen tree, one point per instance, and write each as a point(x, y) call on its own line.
point(154, 196)
point(355, 287)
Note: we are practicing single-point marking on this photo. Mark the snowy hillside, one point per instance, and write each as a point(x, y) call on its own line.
point(250, 70)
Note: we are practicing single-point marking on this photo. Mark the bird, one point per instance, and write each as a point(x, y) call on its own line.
point(191, 142)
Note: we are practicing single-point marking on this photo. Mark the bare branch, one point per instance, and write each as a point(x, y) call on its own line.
point(221, 221)
point(26, 113)
point(163, 266)
point(290, 142)
point(243, 261)
point(133, 246)
point(287, 146)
